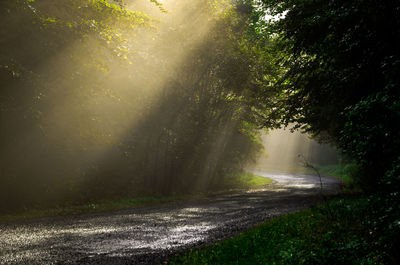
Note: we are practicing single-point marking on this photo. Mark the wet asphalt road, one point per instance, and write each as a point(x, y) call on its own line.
point(150, 235)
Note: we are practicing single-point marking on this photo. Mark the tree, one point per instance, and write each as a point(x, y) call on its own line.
point(106, 102)
point(342, 61)
point(53, 57)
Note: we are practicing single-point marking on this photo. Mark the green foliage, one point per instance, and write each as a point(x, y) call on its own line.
point(341, 59)
point(71, 44)
point(308, 237)
point(370, 134)
point(160, 5)
point(340, 78)
point(101, 104)
point(238, 182)
point(348, 172)
point(244, 180)
point(385, 226)
point(90, 207)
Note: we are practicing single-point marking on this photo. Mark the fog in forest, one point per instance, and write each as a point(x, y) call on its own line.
point(107, 103)
point(286, 151)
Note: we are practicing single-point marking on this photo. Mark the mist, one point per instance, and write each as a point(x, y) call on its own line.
point(286, 151)
point(106, 103)
point(109, 101)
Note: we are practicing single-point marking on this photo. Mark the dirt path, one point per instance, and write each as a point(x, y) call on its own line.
point(150, 235)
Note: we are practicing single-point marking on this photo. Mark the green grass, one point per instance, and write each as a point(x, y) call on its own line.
point(98, 206)
point(285, 168)
point(243, 181)
point(347, 172)
point(337, 234)
point(247, 180)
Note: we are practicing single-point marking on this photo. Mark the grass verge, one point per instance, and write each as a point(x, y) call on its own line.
point(246, 180)
point(346, 172)
point(334, 234)
point(98, 206)
point(243, 181)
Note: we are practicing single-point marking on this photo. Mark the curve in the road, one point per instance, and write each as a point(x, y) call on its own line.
point(150, 235)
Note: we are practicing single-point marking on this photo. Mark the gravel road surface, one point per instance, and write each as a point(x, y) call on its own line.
point(150, 235)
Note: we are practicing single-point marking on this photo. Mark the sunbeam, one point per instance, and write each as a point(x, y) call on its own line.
point(287, 151)
point(129, 102)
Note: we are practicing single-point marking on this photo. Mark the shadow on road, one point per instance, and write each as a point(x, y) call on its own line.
point(150, 235)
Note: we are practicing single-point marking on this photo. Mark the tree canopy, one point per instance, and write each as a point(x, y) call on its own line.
point(341, 82)
point(102, 100)
point(123, 97)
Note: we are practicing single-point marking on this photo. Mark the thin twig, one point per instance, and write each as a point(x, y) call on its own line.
point(309, 165)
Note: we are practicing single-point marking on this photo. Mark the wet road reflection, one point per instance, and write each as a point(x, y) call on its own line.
point(149, 235)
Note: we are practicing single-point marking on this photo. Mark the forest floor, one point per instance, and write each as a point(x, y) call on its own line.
point(151, 235)
point(240, 182)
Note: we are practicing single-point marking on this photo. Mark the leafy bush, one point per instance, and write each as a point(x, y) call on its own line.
point(342, 63)
point(308, 237)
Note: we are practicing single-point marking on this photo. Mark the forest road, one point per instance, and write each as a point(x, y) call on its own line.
point(150, 235)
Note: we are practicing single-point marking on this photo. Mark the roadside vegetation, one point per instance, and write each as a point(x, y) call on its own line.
point(346, 172)
point(119, 99)
point(238, 182)
point(246, 180)
point(114, 98)
point(354, 227)
point(344, 232)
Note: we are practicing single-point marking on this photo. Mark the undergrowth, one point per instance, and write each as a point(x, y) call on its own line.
point(346, 236)
point(244, 181)
point(241, 181)
point(348, 173)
